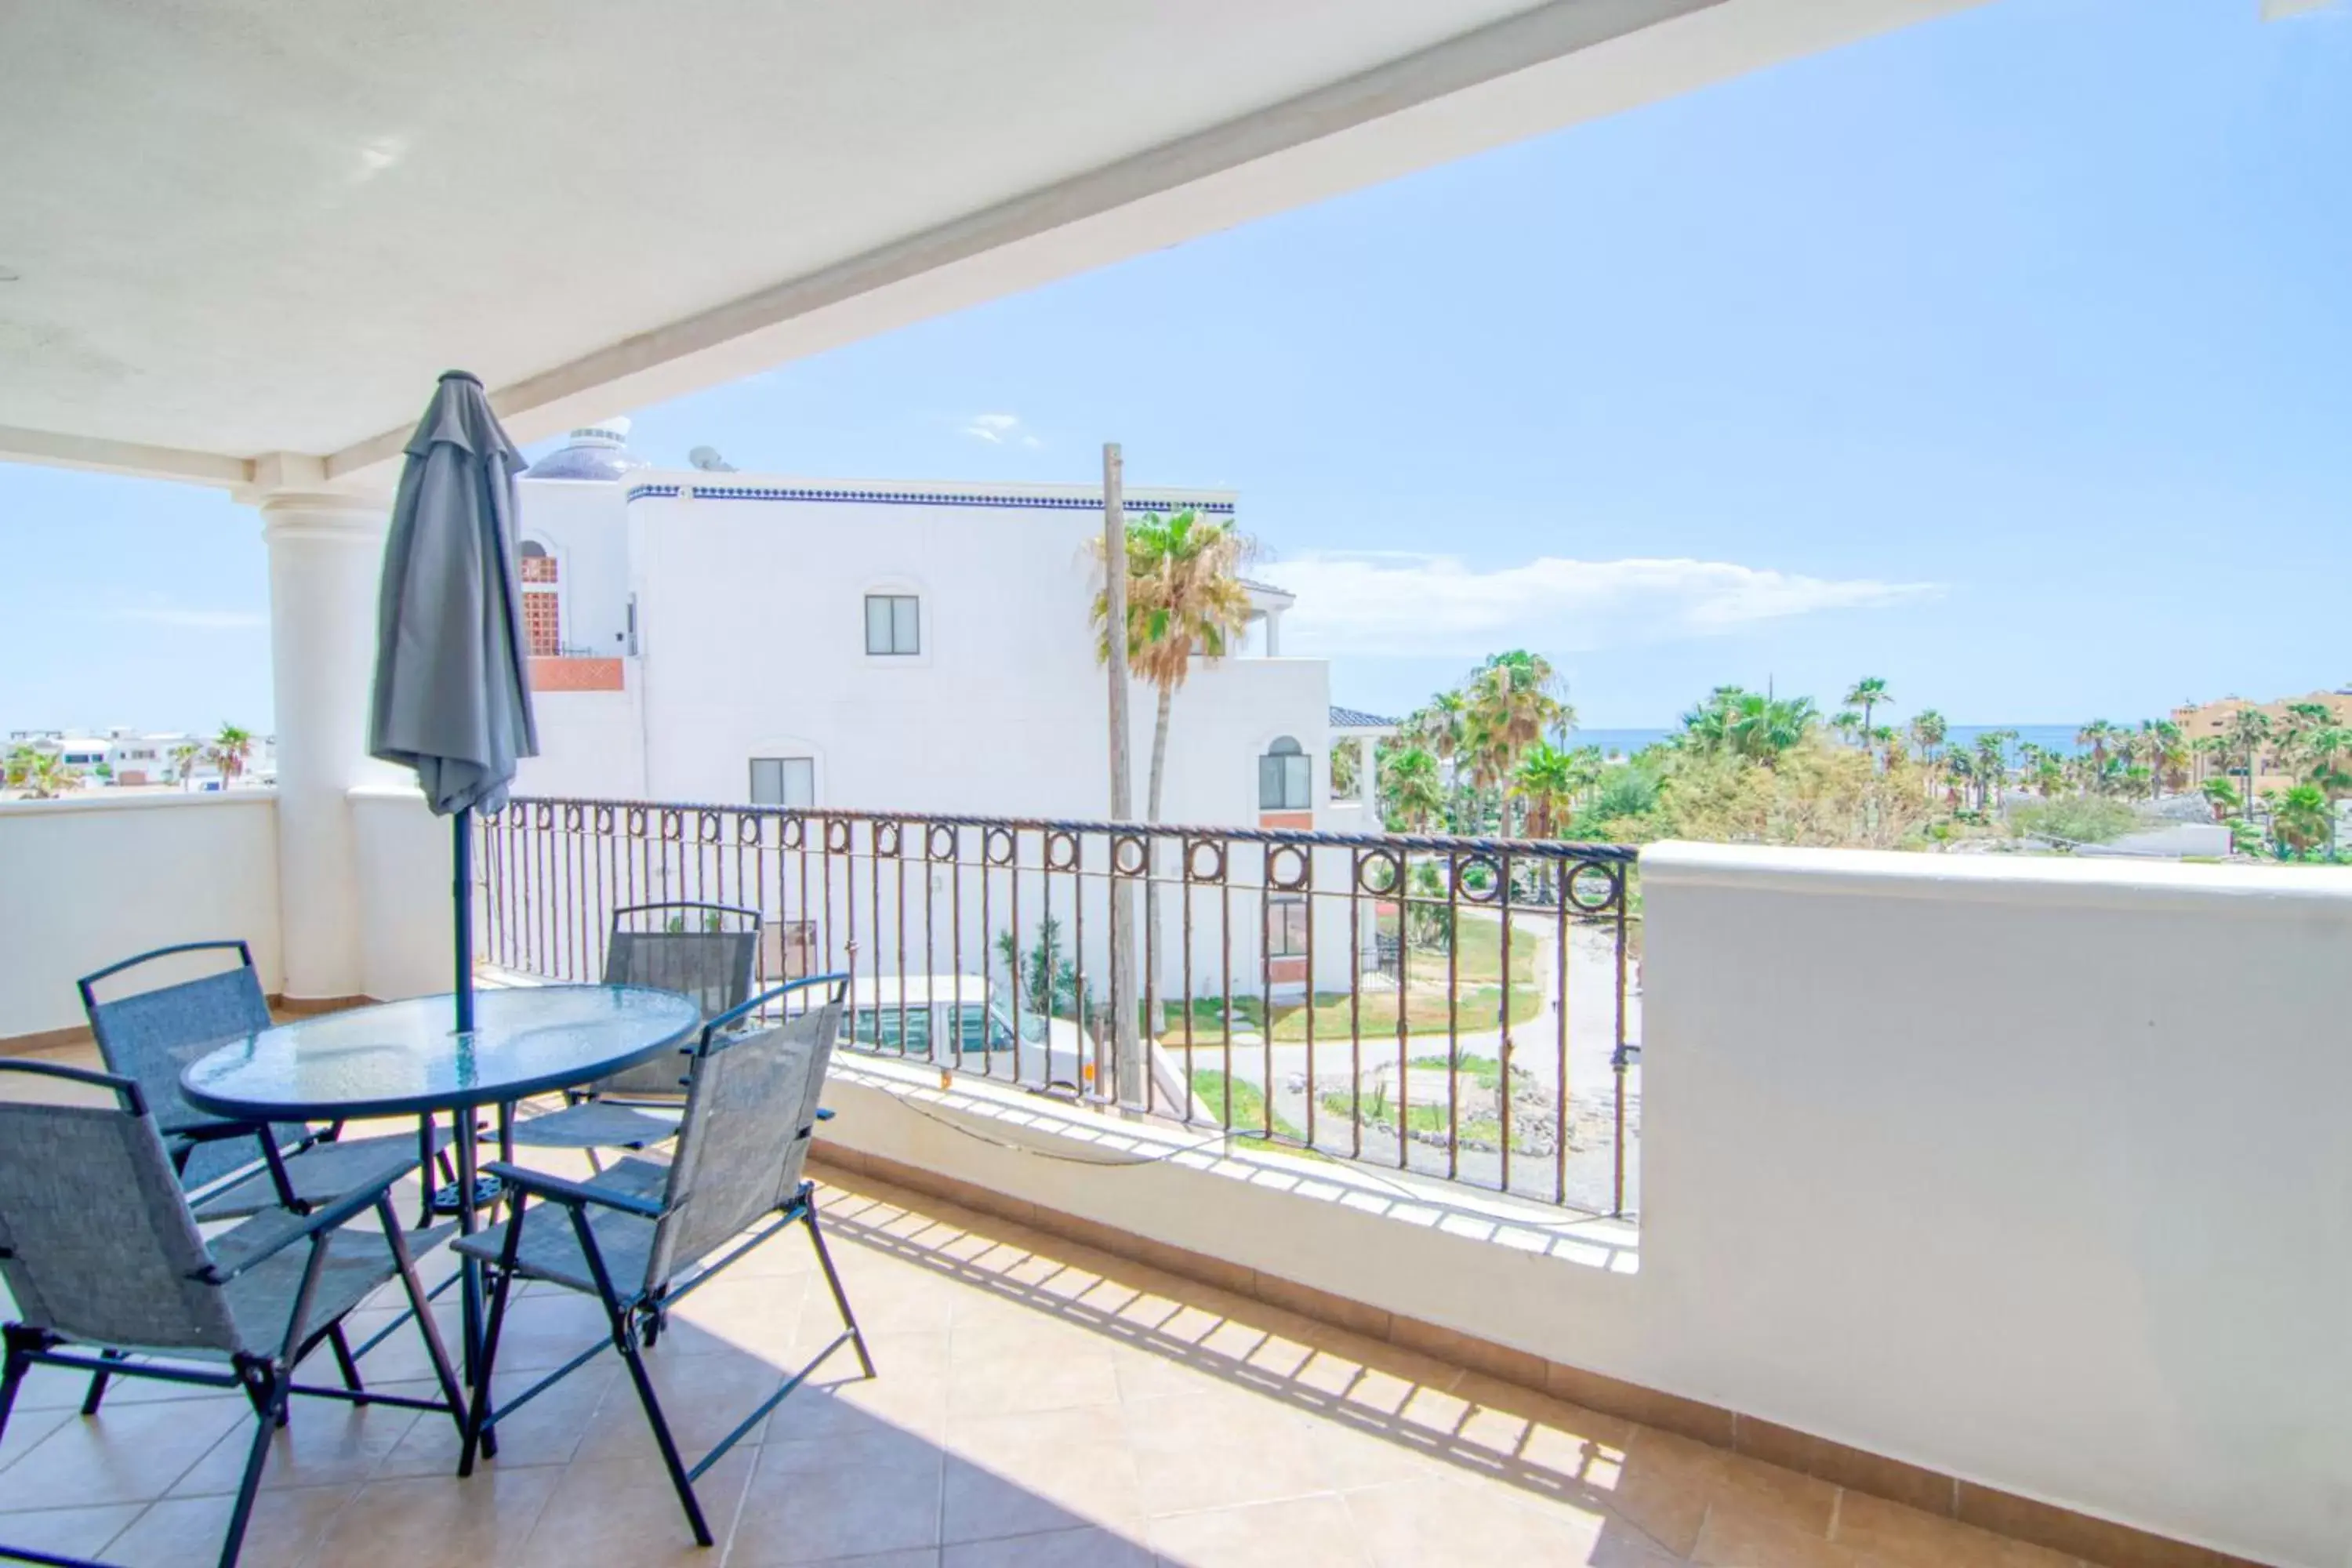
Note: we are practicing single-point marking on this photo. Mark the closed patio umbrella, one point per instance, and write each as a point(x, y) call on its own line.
point(452, 692)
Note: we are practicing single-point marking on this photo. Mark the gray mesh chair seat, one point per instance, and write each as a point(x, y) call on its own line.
point(641, 1234)
point(154, 1034)
point(101, 1252)
point(706, 951)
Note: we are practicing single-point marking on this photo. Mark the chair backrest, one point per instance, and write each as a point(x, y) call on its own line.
point(97, 1241)
point(152, 1035)
point(707, 951)
point(751, 1112)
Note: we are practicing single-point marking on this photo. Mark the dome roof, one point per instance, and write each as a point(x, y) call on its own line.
point(592, 452)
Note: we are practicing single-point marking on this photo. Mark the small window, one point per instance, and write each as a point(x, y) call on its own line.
point(893, 623)
point(1287, 928)
point(542, 601)
point(1283, 777)
point(783, 781)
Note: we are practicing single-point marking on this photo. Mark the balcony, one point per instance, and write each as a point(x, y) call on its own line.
point(1952, 1213)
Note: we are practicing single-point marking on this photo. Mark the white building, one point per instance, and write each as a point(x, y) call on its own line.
point(921, 647)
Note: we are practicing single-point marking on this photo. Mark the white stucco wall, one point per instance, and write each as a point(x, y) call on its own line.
point(408, 921)
point(2031, 1172)
point(580, 524)
point(99, 878)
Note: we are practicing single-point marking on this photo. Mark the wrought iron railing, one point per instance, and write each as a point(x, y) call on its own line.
point(1453, 1006)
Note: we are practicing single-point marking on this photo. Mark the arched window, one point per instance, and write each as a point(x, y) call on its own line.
point(542, 601)
point(1285, 777)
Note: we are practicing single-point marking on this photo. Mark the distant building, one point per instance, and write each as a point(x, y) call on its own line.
point(699, 635)
point(2203, 720)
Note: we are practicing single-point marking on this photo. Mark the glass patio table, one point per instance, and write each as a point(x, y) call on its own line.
point(408, 1058)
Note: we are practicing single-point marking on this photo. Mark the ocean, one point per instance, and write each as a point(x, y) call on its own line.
point(2058, 738)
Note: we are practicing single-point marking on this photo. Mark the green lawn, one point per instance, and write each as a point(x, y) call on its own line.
point(1249, 1104)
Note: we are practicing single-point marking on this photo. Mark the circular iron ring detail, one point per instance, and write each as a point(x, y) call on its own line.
point(1193, 850)
point(1130, 856)
point(1294, 880)
point(1061, 849)
point(886, 839)
point(1387, 859)
point(941, 841)
point(1462, 887)
point(795, 832)
point(1575, 888)
point(837, 836)
point(999, 846)
point(637, 822)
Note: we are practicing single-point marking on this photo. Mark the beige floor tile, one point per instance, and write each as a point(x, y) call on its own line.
point(626, 1514)
point(794, 1516)
point(1738, 1537)
point(1056, 1376)
point(439, 1522)
point(127, 1453)
point(1221, 1449)
point(66, 1532)
point(26, 1427)
point(1027, 1473)
point(1413, 1524)
point(1661, 1487)
point(325, 1443)
point(1891, 1535)
point(286, 1528)
point(1298, 1533)
point(761, 1315)
point(1090, 1547)
point(703, 1398)
point(546, 1431)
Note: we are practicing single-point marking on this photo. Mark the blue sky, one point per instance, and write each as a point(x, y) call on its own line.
point(2008, 357)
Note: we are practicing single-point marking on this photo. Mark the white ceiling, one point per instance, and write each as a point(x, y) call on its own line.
point(259, 225)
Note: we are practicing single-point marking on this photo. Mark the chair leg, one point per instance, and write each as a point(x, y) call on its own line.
point(420, 1305)
point(97, 1385)
point(623, 1336)
point(21, 1343)
point(477, 1412)
point(840, 1297)
point(268, 1385)
point(349, 1368)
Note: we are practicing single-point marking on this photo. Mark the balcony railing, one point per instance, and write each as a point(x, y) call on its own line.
point(1457, 1007)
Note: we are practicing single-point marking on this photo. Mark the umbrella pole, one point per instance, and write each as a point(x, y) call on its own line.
point(461, 856)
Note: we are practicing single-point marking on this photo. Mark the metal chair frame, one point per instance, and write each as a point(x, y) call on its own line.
point(634, 1316)
point(267, 1381)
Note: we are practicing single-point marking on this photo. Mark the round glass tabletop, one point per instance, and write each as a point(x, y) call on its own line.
point(406, 1058)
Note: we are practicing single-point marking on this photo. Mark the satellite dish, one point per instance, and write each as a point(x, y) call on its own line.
point(708, 459)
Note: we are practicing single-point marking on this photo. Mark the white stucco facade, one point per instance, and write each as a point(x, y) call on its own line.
point(750, 602)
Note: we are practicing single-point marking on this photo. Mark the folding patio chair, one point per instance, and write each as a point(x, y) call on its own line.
point(706, 951)
point(99, 1249)
point(152, 1036)
point(636, 1236)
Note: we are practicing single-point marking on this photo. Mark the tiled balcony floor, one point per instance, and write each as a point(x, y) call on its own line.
point(1039, 1403)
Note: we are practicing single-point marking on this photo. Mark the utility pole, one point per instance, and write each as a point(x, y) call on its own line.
point(1127, 1048)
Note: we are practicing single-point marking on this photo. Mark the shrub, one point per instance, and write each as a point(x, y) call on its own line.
point(2085, 820)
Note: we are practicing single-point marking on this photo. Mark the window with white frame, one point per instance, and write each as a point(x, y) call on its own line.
point(894, 624)
point(1285, 920)
point(1285, 777)
point(784, 781)
point(542, 601)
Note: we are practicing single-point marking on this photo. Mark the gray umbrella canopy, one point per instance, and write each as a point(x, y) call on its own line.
point(452, 695)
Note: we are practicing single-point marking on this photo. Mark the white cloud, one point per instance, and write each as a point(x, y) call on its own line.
point(992, 428)
point(195, 620)
point(1389, 603)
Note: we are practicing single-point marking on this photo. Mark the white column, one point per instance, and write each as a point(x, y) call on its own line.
point(325, 554)
point(1367, 779)
point(1273, 634)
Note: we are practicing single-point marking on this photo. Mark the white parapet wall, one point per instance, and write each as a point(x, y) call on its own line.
point(2035, 1171)
point(406, 919)
point(2031, 1172)
point(89, 879)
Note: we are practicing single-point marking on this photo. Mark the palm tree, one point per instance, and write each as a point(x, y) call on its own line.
point(2095, 737)
point(2222, 796)
point(1549, 780)
point(1412, 794)
point(2248, 730)
point(1869, 692)
point(1992, 765)
point(1848, 724)
point(1184, 597)
point(42, 775)
point(1511, 702)
point(1442, 726)
point(1750, 724)
point(1927, 731)
point(2301, 818)
point(230, 749)
point(184, 758)
point(2166, 753)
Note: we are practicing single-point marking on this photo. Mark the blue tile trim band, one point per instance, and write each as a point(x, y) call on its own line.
point(925, 498)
